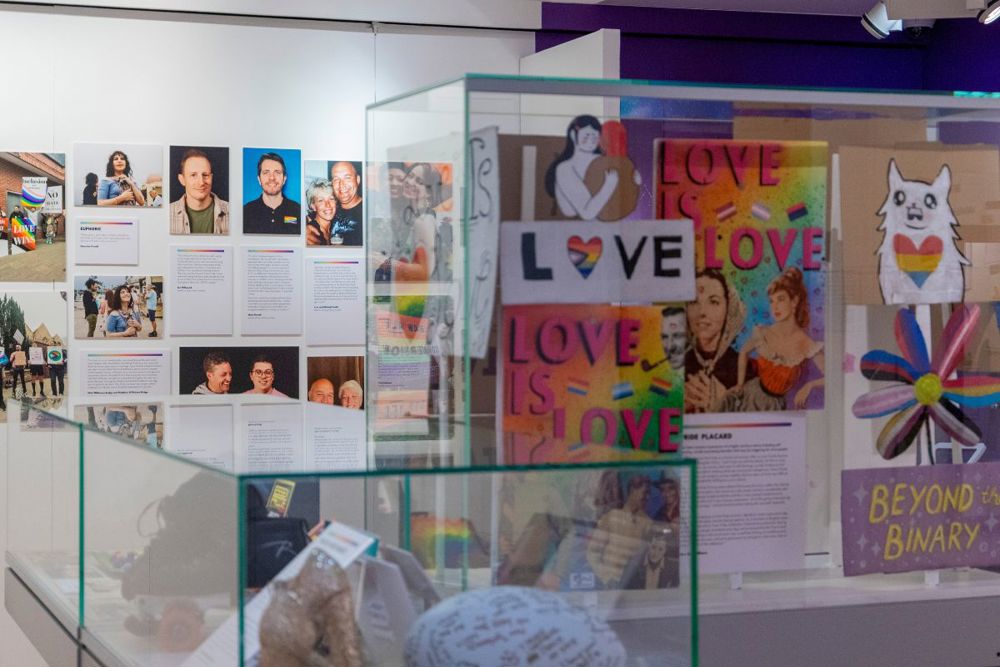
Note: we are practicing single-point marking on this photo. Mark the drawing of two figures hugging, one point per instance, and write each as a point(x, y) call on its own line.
point(593, 178)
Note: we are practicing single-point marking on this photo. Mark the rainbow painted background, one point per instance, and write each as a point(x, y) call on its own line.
point(798, 201)
point(579, 385)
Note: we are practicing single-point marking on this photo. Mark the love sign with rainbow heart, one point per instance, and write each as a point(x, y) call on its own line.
point(637, 261)
point(584, 254)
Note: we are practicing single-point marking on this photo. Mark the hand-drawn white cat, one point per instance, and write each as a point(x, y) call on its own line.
point(918, 259)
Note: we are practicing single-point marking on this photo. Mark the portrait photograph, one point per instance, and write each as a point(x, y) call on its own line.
point(199, 190)
point(124, 175)
point(336, 381)
point(333, 203)
point(272, 181)
point(240, 370)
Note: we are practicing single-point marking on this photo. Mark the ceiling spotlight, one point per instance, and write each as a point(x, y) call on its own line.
point(878, 24)
point(991, 13)
point(917, 28)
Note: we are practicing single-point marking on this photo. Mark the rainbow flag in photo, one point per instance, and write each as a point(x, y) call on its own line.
point(22, 232)
point(797, 211)
point(725, 211)
point(577, 386)
point(661, 386)
point(622, 390)
point(33, 190)
point(457, 540)
point(760, 211)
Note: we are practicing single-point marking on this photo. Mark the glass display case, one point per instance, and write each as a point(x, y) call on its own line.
point(160, 558)
point(577, 293)
point(815, 217)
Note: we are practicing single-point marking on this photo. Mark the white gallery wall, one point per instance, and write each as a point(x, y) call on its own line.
point(141, 78)
point(80, 75)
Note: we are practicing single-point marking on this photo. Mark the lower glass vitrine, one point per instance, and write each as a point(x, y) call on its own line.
point(158, 559)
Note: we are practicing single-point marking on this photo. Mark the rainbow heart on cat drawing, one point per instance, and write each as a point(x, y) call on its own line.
point(917, 263)
point(584, 254)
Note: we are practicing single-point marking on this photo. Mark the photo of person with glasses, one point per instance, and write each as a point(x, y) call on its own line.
point(262, 377)
point(248, 370)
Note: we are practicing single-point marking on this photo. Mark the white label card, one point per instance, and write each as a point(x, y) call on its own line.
point(107, 242)
point(272, 292)
point(202, 292)
point(126, 373)
point(335, 313)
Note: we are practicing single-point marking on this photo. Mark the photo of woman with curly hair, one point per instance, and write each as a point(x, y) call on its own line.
point(127, 175)
point(782, 353)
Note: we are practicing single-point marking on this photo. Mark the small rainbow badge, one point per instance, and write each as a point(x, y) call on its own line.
point(622, 390)
point(660, 386)
point(760, 211)
point(726, 211)
point(797, 211)
point(578, 386)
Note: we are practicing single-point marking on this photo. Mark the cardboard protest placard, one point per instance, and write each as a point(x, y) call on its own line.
point(843, 126)
point(920, 518)
point(917, 221)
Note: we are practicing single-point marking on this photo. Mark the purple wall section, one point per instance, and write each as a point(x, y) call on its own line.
point(963, 55)
point(782, 49)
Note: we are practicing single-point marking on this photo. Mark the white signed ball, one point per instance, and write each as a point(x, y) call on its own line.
point(509, 626)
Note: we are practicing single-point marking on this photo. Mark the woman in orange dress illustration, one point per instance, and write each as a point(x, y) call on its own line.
point(781, 352)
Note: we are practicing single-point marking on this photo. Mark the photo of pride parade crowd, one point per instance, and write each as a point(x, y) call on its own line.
point(33, 364)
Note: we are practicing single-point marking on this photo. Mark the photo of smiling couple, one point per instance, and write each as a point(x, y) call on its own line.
point(271, 371)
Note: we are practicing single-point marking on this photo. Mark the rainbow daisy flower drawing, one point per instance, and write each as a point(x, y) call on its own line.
point(922, 388)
